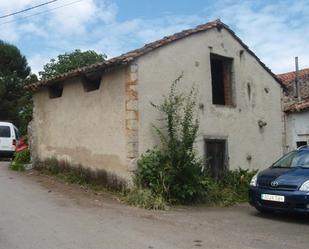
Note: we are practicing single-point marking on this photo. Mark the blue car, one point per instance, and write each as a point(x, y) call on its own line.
point(284, 186)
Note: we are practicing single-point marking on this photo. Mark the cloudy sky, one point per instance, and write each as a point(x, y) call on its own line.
point(276, 30)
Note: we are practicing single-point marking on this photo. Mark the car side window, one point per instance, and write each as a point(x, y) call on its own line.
point(302, 159)
point(17, 135)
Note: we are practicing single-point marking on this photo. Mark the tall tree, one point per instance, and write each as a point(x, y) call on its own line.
point(69, 61)
point(14, 73)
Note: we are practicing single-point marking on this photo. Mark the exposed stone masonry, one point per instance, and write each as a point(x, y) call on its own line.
point(131, 116)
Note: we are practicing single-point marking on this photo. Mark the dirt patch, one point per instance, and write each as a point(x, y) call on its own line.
point(80, 194)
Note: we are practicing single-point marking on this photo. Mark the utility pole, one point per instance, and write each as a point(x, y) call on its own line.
point(297, 95)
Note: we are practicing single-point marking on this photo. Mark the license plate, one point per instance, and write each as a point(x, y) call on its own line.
point(277, 198)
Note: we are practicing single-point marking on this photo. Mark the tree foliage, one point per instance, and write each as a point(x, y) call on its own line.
point(14, 74)
point(69, 61)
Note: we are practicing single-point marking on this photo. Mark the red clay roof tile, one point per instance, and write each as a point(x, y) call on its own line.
point(298, 106)
point(286, 78)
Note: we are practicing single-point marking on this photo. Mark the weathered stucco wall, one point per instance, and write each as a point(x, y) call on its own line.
point(239, 124)
point(86, 128)
point(297, 128)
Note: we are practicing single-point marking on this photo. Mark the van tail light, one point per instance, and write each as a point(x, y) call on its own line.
point(14, 142)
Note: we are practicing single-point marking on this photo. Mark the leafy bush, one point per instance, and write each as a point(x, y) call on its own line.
point(20, 158)
point(145, 198)
point(173, 171)
point(231, 189)
point(17, 166)
point(238, 181)
point(150, 171)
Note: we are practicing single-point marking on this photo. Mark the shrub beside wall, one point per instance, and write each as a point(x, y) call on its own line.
point(173, 170)
point(20, 159)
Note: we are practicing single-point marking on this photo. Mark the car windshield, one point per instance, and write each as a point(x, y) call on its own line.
point(297, 158)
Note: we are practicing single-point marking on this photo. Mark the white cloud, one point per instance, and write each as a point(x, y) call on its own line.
point(91, 24)
point(37, 61)
point(72, 19)
point(120, 37)
point(106, 12)
point(10, 6)
point(12, 27)
point(8, 33)
point(33, 29)
point(273, 30)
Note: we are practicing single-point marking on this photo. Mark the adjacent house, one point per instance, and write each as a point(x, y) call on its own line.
point(100, 116)
point(296, 108)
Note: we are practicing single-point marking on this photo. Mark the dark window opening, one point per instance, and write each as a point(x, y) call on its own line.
point(249, 90)
point(216, 157)
point(301, 143)
point(5, 131)
point(55, 91)
point(91, 84)
point(221, 79)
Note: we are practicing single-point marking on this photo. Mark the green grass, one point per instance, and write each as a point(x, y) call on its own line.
point(144, 198)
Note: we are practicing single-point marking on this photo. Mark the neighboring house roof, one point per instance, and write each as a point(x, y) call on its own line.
point(298, 106)
point(289, 77)
point(292, 104)
point(132, 55)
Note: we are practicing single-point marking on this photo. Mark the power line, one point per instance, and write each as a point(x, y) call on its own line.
point(40, 13)
point(30, 8)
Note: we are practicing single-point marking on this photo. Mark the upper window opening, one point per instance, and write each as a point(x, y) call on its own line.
point(91, 84)
point(55, 91)
point(221, 80)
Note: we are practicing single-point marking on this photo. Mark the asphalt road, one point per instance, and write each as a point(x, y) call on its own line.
point(40, 213)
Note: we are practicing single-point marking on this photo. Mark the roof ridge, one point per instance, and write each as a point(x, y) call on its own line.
point(125, 58)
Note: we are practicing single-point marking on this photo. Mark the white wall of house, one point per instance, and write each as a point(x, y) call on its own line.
point(297, 128)
point(84, 128)
point(239, 124)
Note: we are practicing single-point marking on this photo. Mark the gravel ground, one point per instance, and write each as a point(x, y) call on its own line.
point(39, 212)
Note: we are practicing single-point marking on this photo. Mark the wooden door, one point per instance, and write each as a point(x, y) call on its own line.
point(216, 157)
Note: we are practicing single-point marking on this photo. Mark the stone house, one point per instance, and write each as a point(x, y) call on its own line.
point(296, 109)
point(100, 116)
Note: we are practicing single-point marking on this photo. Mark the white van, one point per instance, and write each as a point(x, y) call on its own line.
point(9, 137)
